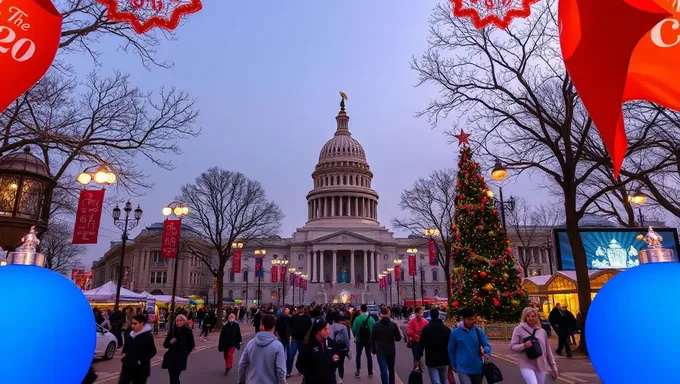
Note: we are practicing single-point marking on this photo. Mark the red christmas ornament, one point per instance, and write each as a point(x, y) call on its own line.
point(492, 12)
point(479, 227)
point(144, 15)
point(474, 276)
point(482, 274)
point(30, 31)
point(496, 303)
point(494, 212)
point(508, 250)
point(533, 304)
point(451, 282)
point(484, 199)
point(456, 304)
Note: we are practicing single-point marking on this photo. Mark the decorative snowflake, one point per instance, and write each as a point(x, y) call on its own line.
point(145, 15)
point(497, 12)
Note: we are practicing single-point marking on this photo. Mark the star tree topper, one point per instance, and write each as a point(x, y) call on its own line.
point(145, 15)
point(462, 138)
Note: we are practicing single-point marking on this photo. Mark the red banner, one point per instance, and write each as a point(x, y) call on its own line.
point(304, 284)
point(88, 216)
point(236, 261)
point(432, 251)
point(170, 238)
point(298, 280)
point(275, 274)
point(397, 273)
point(412, 265)
point(283, 273)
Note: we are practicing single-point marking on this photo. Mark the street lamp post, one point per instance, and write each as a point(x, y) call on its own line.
point(125, 225)
point(638, 199)
point(500, 173)
point(259, 253)
point(245, 271)
point(179, 210)
point(292, 290)
point(413, 252)
point(381, 276)
point(431, 233)
point(281, 263)
point(389, 280)
point(298, 275)
point(397, 262)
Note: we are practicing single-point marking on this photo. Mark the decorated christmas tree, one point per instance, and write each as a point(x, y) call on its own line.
point(486, 277)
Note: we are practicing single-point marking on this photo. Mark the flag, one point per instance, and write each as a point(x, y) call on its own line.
point(259, 270)
point(616, 51)
point(297, 280)
point(397, 272)
point(304, 284)
point(412, 265)
point(389, 279)
point(88, 216)
point(275, 274)
point(236, 261)
point(292, 279)
point(283, 273)
point(433, 248)
point(170, 238)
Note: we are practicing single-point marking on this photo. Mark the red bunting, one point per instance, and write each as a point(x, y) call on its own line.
point(412, 265)
point(304, 285)
point(283, 273)
point(88, 216)
point(236, 261)
point(397, 273)
point(275, 274)
point(30, 31)
point(144, 15)
point(492, 12)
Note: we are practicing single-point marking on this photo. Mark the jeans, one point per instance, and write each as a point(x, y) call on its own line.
point(467, 378)
point(174, 375)
point(341, 364)
point(532, 377)
point(292, 350)
point(386, 365)
point(563, 340)
point(438, 375)
point(369, 358)
point(415, 350)
point(286, 345)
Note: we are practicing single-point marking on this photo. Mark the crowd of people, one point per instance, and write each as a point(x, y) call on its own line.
point(322, 337)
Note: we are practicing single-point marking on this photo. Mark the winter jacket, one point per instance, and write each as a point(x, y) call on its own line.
point(415, 326)
point(283, 327)
point(464, 352)
point(358, 323)
point(434, 341)
point(230, 336)
point(385, 334)
point(546, 362)
point(315, 362)
point(139, 349)
point(299, 325)
point(263, 360)
point(178, 352)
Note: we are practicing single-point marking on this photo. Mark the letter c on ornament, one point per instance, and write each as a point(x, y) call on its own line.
point(657, 37)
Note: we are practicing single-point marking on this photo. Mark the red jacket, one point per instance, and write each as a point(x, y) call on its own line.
point(415, 327)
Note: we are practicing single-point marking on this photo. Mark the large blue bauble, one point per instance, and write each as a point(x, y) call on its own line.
point(631, 327)
point(49, 333)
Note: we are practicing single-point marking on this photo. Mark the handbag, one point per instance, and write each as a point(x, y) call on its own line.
point(535, 351)
point(416, 376)
point(451, 376)
point(492, 374)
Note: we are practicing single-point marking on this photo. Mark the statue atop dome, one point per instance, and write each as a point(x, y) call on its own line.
point(343, 97)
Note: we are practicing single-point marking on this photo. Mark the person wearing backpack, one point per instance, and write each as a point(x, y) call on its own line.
point(362, 328)
point(339, 333)
point(530, 342)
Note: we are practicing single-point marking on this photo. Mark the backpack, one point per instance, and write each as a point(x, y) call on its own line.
point(340, 343)
point(364, 332)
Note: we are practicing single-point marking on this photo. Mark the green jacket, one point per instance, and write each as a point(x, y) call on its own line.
point(358, 322)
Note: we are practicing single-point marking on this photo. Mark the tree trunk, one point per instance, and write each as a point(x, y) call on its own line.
point(580, 262)
point(220, 298)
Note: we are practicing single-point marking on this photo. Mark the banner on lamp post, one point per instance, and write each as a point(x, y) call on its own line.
point(432, 248)
point(412, 265)
point(397, 272)
point(389, 279)
point(88, 216)
point(292, 279)
point(275, 274)
point(236, 261)
point(259, 270)
point(304, 285)
point(170, 239)
point(283, 273)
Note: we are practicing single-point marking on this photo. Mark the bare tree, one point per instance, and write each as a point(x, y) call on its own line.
point(225, 207)
point(60, 255)
point(523, 224)
point(511, 86)
point(430, 203)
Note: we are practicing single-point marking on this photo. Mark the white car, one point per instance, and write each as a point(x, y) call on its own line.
point(106, 344)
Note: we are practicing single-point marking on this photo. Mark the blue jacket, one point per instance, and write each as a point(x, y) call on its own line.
point(263, 360)
point(464, 350)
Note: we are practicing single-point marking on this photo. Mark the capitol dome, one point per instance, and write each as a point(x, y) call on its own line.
point(342, 181)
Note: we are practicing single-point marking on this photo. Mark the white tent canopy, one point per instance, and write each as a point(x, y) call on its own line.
point(107, 292)
point(167, 298)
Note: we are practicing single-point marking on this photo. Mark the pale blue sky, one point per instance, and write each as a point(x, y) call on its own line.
point(266, 75)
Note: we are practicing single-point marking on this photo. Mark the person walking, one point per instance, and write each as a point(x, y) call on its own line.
point(529, 332)
point(434, 342)
point(339, 333)
point(362, 329)
point(299, 326)
point(318, 360)
point(137, 352)
point(283, 329)
point(415, 327)
point(207, 324)
point(180, 343)
point(382, 340)
point(257, 319)
point(264, 349)
point(230, 340)
point(560, 323)
point(465, 353)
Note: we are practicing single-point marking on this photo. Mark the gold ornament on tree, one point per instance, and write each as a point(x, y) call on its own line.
point(514, 303)
point(488, 287)
point(505, 276)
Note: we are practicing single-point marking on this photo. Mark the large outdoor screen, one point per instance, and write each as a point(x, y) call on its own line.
point(610, 247)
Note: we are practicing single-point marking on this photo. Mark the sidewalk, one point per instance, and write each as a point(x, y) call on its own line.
point(577, 369)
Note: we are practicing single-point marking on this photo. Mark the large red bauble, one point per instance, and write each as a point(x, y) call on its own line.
point(30, 31)
point(456, 304)
point(482, 274)
point(496, 302)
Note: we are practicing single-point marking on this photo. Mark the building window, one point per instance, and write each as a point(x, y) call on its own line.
point(230, 294)
point(159, 277)
point(300, 256)
point(157, 259)
point(435, 275)
point(401, 273)
point(245, 276)
point(232, 276)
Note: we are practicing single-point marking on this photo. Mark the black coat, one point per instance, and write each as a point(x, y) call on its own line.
point(283, 328)
point(385, 333)
point(178, 353)
point(434, 341)
point(138, 354)
point(315, 363)
point(230, 337)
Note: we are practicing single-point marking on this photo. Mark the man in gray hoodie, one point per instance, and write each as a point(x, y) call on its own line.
point(255, 365)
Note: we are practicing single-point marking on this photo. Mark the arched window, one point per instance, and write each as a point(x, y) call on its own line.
point(332, 181)
point(244, 293)
point(436, 292)
point(435, 275)
point(230, 294)
point(337, 180)
point(351, 181)
point(344, 180)
point(356, 180)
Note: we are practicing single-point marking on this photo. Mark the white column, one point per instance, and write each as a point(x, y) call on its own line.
point(334, 278)
point(315, 278)
point(342, 203)
point(372, 266)
point(309, 261)
point(365, 273)
point(352, 276)
point(322, 278)
point(333, 206)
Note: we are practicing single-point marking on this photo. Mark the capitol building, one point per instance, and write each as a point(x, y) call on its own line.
point(342, 248)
